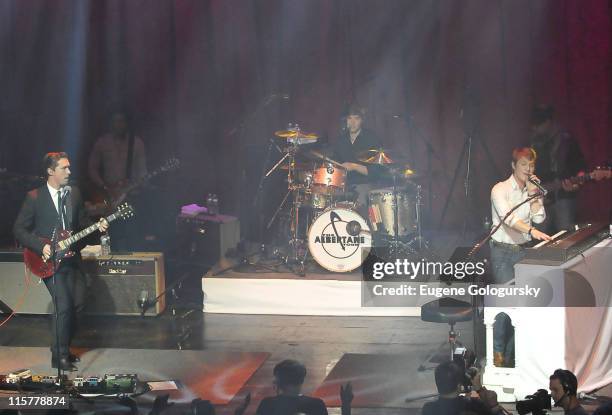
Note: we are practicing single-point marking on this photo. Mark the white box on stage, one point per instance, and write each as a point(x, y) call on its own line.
point(568, 327)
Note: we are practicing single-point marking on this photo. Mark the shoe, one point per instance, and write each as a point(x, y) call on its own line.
point(498, 359)
point(72, 358)
point(64, 364)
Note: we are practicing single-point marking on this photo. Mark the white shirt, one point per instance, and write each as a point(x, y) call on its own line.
point(504, 196)
point(54, 193)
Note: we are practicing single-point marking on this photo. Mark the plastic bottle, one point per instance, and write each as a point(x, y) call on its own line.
point(105, 244)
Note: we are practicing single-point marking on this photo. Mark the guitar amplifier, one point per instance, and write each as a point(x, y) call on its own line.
point(205, 239)
point(114, 284)
point(117, 282)
point(21, 291)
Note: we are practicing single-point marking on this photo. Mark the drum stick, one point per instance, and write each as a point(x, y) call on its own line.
point(327, 159)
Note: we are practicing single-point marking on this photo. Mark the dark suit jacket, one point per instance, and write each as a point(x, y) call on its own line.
point(38, 217)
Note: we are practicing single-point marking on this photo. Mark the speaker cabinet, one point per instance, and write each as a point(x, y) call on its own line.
point(205, 239)
point(117, 282)
point(21, 291)
point(114, 285)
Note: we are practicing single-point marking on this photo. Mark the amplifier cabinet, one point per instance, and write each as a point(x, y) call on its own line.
point(205, 239)
point(117, 282)
point(19, 290)
point(114, 284)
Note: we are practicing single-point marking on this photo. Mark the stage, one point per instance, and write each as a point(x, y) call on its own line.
point(319, 342)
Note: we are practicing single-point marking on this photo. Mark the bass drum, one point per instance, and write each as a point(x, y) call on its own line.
point(339, 240)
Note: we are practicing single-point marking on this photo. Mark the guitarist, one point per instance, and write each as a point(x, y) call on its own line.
point(53, 206)
point(117, 159)
point(559, 157)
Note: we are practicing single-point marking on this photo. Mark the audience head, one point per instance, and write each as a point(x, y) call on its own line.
point(448, 377)
point(289, 376)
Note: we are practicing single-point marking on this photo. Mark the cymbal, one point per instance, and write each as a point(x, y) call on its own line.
point(296, 134)
point(404, 171)
point(375, 156)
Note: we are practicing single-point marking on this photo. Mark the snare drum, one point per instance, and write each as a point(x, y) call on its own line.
point(329, 179)
point(381, 215)
point(339, 240)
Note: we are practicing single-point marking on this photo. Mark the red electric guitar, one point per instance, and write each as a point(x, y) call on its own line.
point(62, 240)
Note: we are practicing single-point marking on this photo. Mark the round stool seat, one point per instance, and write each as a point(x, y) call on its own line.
point(446, 310)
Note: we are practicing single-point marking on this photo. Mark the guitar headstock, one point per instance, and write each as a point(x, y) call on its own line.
point(125, 211)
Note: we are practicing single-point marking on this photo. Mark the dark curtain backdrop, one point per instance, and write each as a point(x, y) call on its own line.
point(203, 80)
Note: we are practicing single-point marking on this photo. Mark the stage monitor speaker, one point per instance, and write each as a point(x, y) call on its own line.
point(114, 285)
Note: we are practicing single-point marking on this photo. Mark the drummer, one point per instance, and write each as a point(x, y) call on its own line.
point(355, 140)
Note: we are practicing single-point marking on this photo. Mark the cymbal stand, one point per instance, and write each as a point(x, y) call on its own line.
point(396, 246)
point(296, 244)
point(419, 239)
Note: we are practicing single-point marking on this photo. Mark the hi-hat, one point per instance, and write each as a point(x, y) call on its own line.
point(297, 135)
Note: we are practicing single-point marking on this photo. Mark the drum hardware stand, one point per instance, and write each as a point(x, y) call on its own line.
point(257, 202)
point(396, 246)
point(278, 210)
point(419, 240)
point(296, 244)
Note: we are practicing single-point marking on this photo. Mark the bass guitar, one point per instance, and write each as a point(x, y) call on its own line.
point(110, 198)
point(600, 173)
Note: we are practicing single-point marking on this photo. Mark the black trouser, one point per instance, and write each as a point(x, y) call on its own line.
point(68, 291)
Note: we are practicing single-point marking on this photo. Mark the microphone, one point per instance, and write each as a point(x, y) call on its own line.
point(353, 228)
point(582, 395)
point(538, 185)
point(143, 302)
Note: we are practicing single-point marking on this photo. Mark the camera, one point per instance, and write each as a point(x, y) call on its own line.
point(465, 359)
point(536, 403)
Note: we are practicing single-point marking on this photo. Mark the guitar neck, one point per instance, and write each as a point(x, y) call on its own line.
point(556, 185)
point(87, 231)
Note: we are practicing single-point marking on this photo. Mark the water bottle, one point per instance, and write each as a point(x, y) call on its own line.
point(212, 204)
point(486, 224)
point(105, 244)
point(215, 204)
point(209, 203)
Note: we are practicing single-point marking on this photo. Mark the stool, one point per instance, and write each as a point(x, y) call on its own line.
point(445, 310)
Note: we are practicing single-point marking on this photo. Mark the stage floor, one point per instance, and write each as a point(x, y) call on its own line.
point(318, 342)
point(359, 348)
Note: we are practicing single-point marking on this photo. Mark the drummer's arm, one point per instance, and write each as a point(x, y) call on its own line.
point(359, 168)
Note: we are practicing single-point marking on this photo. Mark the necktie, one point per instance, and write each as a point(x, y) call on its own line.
point(60, 208)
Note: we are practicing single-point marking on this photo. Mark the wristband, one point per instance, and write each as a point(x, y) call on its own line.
point(529, 231)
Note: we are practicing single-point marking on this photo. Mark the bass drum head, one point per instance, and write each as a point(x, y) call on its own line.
point(331, 244)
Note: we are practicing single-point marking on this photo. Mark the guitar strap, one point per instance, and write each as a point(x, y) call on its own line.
point(130, 157)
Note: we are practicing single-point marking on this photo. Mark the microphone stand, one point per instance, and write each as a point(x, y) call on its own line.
point(478, 246)
point(56, 313)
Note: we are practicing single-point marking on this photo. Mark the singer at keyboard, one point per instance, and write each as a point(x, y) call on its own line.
point(508, 243)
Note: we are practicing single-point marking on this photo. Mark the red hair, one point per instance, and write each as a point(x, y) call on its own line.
point(527, 152)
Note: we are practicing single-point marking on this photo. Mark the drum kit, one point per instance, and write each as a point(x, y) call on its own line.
point(324, 219)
